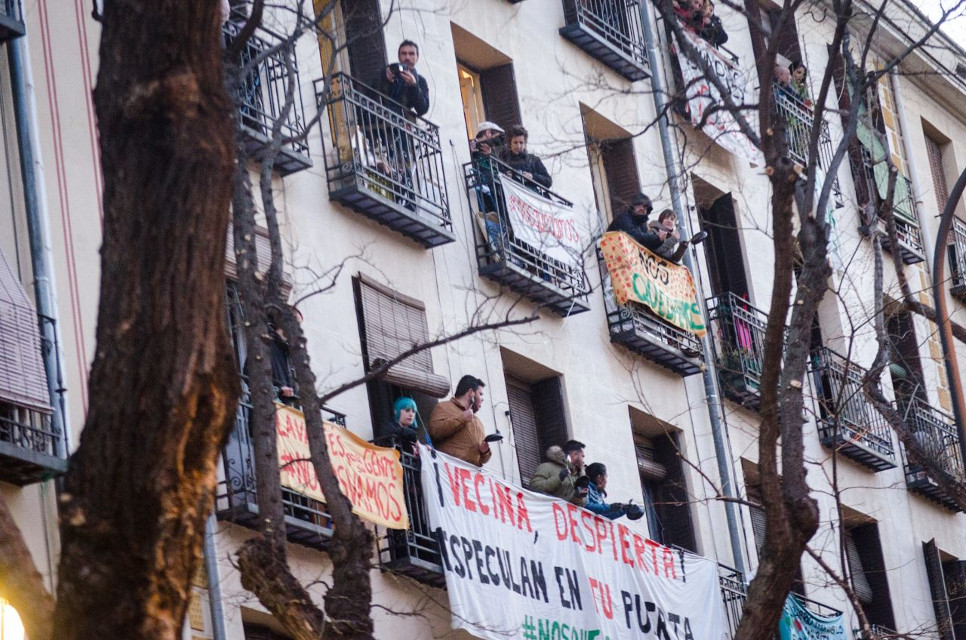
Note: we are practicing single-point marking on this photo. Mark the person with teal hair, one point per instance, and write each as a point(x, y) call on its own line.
point(403, 428)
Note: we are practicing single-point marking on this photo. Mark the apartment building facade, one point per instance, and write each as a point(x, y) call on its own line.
point(398, 201)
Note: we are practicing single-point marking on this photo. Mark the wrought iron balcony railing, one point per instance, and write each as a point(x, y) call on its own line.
point(936, 433)
point(611, 31)
point(904, 207)
point(306, 520)
point(957, 259)
point(739, 338)
point(11, 20)
point(413, 552)
point(847, 420)
point(733, 595)
point(876, 632)
point(800, 121)
point(262, 87)
point(505, 259)
point(384, 162)
point(32, 446)
point(637, 328)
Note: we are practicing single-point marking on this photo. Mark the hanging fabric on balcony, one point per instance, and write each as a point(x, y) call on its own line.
point(645, 278)
point(902, 201)
point(370, 476)
point(550, 226)
point(22, 378)
point(799, 623)
point(524, 565)
point(720, 125)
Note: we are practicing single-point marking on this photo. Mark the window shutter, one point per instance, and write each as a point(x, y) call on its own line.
point(937, 586)
point(621, 169)
point(935, 153)
point(860, 582)
point(753, 493)
point(955, 575)
point(500, 101)
point(22, 378)
point(393, 324)
point(365, 42)
point(523, 419)
point(879, 610)
point(549, 408)
point(673, 503)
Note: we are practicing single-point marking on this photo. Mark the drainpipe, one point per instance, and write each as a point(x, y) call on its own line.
point(214, 581)
point(38, 231)
point(709, 372)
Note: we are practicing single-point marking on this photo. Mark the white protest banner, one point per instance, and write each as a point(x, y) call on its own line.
point(720, 125)
point(549, 226)
point(524, 565)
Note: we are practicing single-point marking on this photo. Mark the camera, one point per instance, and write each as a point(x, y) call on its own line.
point(397, 67)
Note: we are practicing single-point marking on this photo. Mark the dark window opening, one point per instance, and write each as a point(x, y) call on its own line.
point(726, 265)
point(538, 419)
point(667, 503)
point(869, 577)
point(365, 42)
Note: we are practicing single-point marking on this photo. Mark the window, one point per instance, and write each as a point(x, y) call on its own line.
point(934, 149)
point(365, 44)
point(726, 265)
point(947, 583)
point(613, 166)
point(753, 494)
point(262, 632)
point(390, 324)
point(666, 499)
point(863, 552)
point(768, 15)
point(905, 367)
point(487, 83)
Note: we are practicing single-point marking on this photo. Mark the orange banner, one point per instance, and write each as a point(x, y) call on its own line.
point(370, 476)
point(640, 276)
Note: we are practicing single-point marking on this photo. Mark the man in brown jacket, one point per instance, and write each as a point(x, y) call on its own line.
point(454, 427)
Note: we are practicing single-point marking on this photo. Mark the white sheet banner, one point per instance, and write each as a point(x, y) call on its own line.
point(719, 125)
point(524, 565)
point(549, 226)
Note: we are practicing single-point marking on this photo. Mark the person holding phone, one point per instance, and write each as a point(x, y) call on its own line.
point(403, 84)
point(454, 427)
point(561, 475)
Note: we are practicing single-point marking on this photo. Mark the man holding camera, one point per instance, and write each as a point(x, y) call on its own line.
point(403, 84)
point(561, 475)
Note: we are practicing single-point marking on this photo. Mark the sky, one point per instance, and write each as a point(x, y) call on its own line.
point(955, 26)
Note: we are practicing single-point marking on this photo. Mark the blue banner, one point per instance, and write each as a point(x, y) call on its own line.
point(798, 623)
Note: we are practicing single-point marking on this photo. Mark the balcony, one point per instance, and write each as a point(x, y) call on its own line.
point(739, 340)
point(611, 31)
point(414, 552)
point(11, 20)
point(733, 595)
point(877, 632)
point(306, 521)
point(502, 257)
point(871, 184)
point(936, 433)
point(957, 259)
point(636, 328)
point(800, 121)
point(847, 420)
point(384, 162)
point(262, 96)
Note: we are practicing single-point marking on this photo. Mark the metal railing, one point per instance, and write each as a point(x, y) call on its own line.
point(936, 433)
point(496, 242)
point(957, 257)
point(800, 121)
point(11, 20)
point(739, 336)
point(907, 231)
point(817, 607)
point(265, 63)
point(617, 22)
point(876, 632)
point(734, 592)
point(844, 410)
point(29, 429)
point(378, 145)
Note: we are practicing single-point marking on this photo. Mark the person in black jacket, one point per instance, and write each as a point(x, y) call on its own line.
point(633, 222)
point(403, 84)
point(525, 164)
point(712, 30)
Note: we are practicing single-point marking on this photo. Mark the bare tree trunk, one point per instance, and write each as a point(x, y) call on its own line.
point(163, 385)
point(20, 582)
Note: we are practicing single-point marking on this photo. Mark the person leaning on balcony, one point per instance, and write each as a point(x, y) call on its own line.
point(633, 222)
point(561, 474)
point(798, 73)
point(403, 428)
point(454, 427)
point(672, 247)
point(713, 31)
point(524, 163)
point(597, 474)
point(403, 84)
point(488, 145)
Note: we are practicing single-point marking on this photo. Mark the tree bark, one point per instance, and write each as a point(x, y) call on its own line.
point(163, 386)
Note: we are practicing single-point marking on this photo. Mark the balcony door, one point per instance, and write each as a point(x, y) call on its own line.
point(726, 263)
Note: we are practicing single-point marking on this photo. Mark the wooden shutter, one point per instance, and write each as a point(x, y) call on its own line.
point(391, 325)
point(523, 419)
point(621, 169)
point(879, 609)
point(954, 573)
point(937, 587)
point(860, 582)
point(723, 247)
point(935, 153)
point(365, 42)
point(753, 493)
point(22, 378)
point(499, 88)
point(673, 502)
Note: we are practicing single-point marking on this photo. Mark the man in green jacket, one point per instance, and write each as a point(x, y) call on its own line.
point(561, 475)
